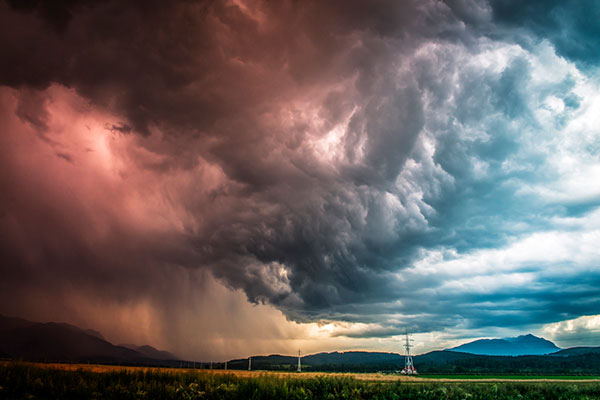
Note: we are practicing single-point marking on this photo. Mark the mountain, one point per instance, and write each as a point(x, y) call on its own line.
point(94, 333)
point(351, 357)
point(435, 362)
point(440, 357)
point(515, 346)
point(22, 339)
point(151, 352)
point(8, 323)
point(575, 351)
point(335, 361)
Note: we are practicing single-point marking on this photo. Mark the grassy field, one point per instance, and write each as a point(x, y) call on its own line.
point(528, 378)
point(369, 377)
point(82, 381)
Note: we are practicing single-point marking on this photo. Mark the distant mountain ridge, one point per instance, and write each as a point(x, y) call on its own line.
point(335, 358)
point(513, 346)
point(151, 352)
point(52, 341)
point(60, 342)
point(576, 351)
point(576, 361)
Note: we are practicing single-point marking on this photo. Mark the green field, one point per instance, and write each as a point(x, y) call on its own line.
point(512, 377)
point(39, 381)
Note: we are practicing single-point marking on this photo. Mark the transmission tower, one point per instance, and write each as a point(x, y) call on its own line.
point(299, 364)
point(409, 368)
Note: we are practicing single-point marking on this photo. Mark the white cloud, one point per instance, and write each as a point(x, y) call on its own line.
point(584, 330)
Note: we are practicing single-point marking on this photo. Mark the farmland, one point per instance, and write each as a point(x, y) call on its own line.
point(79, 381)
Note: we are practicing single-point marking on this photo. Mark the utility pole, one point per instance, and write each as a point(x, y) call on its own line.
point(249, 363)
point(299, 364)
point(225, 365)
point(409, 367)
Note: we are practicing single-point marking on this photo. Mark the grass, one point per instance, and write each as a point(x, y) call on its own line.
point(39, 381)
point(514, 377)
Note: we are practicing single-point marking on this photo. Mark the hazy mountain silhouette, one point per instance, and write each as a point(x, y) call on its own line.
point(515, 346)
point(7, 323)
point(94, 333)
point(22, 339)
point(151, 352)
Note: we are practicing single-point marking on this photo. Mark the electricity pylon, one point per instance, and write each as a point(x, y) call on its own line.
point(409, 368)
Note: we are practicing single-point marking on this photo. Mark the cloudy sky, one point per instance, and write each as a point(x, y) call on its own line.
point(226, 178)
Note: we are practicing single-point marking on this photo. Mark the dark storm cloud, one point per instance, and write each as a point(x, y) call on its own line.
point(201, 56)
point(216, 81)
point(56, 13)
point(570, 25)
point(317, 225)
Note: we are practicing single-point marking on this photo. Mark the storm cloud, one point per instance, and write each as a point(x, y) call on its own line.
point(392, 164)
